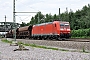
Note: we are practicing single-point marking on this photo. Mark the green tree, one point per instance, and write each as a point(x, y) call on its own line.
point(78, 20)
point(23, 24)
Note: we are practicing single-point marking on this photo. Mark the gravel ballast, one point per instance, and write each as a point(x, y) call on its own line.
point(7, 53)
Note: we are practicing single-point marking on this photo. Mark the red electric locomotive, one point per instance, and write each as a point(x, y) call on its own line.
point(51, 30)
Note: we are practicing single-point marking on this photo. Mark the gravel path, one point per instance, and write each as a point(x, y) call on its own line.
point(7, 53)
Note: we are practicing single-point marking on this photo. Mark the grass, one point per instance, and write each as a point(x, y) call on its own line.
point(38, 46)
point(44, 47)
point(82, 37)
point(6, 41)
point(63, 50)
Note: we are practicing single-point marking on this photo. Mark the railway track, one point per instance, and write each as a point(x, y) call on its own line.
point(71, 39)
point(78, 40)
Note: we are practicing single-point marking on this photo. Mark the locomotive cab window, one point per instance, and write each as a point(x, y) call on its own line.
point(66, 25)
point(61, 25)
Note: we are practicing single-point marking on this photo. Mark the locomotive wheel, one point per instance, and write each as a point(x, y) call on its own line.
point(40, 38)
point(63, 38)
point(51, 38)
point(44, 37)
point(58, 38)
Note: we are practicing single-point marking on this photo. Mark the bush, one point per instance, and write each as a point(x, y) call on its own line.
point(81, 33)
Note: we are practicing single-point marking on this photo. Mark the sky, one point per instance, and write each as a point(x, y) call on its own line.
point(44, 6)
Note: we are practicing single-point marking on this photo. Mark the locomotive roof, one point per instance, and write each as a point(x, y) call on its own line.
point(43, 23)
point(50, 23)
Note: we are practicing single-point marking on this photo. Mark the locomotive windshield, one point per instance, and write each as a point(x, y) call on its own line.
point(61, 24)
point(64, 25)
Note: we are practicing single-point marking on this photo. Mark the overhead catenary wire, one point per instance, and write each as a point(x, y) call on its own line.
point(28, 6)
point(23, 19)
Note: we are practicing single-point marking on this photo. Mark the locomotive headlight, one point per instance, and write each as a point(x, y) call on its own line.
point(61, 29)
point(61, 32)
point(68, 32)
point(58, 34)
point(68, 29)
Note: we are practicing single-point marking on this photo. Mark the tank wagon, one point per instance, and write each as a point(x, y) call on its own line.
point(50, 30)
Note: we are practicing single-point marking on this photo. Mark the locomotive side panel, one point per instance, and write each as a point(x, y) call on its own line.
point(35, 30)
point(47, 30)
